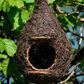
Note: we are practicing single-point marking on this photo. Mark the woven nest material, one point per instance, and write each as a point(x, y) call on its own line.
point(44, 53)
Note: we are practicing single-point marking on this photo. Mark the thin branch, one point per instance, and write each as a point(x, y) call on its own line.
point(80, 38)
point(67, 77)
point(81, 19)
point(79, 3)
point(56, 7)
point(77, 12)
point(73, 33)
point(80, 72)
point(73, 68)
point(3, 77)
point(77, 76)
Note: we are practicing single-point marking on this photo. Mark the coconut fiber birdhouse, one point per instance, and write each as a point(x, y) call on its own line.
point(44, 53)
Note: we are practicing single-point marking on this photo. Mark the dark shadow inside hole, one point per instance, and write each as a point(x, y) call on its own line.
point(41, 55)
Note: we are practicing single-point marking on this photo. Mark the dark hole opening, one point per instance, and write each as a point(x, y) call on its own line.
point(41, 55)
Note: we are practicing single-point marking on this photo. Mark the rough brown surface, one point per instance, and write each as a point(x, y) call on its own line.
point(44, 53)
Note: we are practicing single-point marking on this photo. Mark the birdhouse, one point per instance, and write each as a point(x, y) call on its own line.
point(44, 53)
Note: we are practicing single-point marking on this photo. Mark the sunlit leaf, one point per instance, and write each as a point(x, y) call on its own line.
point(79, 0)
point(24, 16)
point(8, 67)
point(2, 46)
point(10, 47)
point(29, 1)
point(17, 3)
point(51, 1)
point(1, 4)
point(3, 56)
point(6, 6)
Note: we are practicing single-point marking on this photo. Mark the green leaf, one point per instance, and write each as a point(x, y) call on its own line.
point(6, 6)
point(24, 16)
point(10, 47)
point(3, 56)
point(8, 67)
point(66, 25)
point(18, 81)
point(17, 73)
point(13, 15)
point(68, 20)
point(17, 3)
point(31, 8)
point(51, 1)
point(29, 1)
point(1, 4)
point(79, 0)
point(2, 46)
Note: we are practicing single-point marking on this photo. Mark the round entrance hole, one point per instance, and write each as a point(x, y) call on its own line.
point(42, 55)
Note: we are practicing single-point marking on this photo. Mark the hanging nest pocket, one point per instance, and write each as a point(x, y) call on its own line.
point(44, 53)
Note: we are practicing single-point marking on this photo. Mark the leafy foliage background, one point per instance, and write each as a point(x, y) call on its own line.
point(13, 16)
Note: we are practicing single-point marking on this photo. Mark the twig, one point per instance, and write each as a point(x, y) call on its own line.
point(73, 68)
point(77, 76)
point(80, 38)
point(58, 8)
point(59, 11)
point(81, 19)
point(67, 78)
point(80, 72)
point(76, 12)
point(73, 33)
point(79, 3)
point(72, 74)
